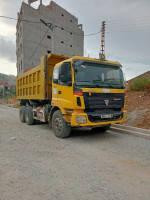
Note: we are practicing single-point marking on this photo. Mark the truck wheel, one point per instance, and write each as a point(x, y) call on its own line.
point(22, 114)
point(59, 126)
point(29, 115)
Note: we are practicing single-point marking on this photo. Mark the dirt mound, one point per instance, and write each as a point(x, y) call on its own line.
point(139, 108)
point(11, 102)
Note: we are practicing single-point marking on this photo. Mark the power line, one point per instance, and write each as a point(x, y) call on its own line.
point(111, 26)
point(128, 20)
point(37, 47)
point(124, 31)
point(91, 34)
point(18, 19)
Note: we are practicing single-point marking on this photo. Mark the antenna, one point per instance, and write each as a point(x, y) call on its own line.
point(102, 51)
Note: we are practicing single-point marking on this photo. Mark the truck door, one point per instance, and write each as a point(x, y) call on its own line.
point(62, 87)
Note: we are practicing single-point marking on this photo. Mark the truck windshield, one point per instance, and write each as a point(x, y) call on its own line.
point(98, 75)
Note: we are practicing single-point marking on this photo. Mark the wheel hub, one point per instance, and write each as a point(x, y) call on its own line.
point(58, 124)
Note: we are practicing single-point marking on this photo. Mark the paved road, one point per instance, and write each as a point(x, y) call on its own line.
point(35, 165)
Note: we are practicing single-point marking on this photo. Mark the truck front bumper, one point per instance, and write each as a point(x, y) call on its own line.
point(82, 119)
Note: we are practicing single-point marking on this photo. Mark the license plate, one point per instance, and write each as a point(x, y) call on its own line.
point(106, 116)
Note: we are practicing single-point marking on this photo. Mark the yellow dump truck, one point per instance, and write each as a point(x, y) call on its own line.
point(72, 92)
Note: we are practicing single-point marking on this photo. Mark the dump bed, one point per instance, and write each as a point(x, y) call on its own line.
point(36, 84)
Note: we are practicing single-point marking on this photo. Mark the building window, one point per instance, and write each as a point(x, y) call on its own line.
point(62, 28)
point(48, 51)
point(70, 33)
point(71, 20)
point(21, 65)
point(62, 15)
point(71, 45)
point(20, 48)
point(48, 36)
point(62, 42)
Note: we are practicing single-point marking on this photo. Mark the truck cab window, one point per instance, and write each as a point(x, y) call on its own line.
point(56, 75)
point(65, 77)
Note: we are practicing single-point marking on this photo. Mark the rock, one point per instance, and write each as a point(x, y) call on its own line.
point(12, 138)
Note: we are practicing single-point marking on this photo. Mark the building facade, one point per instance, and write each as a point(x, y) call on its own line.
point(34, 39)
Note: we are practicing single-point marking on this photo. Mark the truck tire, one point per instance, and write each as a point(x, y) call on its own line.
point(29, 115)
point(59, 126)
point(22, 113)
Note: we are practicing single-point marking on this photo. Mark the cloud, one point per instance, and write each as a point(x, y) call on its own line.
point(132, 70)
point(7, 49)
point(7, 67)
point(128, 24)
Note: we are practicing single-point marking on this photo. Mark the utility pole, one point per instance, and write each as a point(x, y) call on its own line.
point(102, 51)
point(52, 28)
point(3, 86)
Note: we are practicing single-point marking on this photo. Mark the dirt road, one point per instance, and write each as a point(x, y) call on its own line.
point(35, 165)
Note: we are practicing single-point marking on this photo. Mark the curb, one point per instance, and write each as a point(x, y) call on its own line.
point(138, 132)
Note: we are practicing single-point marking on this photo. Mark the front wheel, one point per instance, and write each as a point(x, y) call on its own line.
point(59, 125)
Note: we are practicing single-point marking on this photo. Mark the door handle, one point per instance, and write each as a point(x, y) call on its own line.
point(59, 92)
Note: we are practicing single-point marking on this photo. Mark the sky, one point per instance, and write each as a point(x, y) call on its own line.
point(127, 38)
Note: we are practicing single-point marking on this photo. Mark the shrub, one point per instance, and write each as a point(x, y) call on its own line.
point(140, 84)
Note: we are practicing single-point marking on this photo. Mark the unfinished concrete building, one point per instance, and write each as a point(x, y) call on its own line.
point(34, 39)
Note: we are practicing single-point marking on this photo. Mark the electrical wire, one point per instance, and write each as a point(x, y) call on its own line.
point(91, 34)
point(37, 47)
point(18, 19)
point(78, 33)
point(118, 25)
point(129, 20)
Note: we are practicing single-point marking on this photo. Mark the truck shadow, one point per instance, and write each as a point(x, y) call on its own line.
point(91, 134)
point(95, 133)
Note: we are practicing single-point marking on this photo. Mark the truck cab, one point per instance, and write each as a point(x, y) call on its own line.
point(89, 92)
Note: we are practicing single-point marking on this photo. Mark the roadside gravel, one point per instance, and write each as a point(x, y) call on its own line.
point(89, 165)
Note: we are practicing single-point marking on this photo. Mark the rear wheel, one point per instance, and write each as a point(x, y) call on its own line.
point(29, 115)
point(59, 125)
point(105, 128)
point(22, 114)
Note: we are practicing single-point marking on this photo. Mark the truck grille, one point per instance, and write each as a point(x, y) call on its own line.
point(98, 104)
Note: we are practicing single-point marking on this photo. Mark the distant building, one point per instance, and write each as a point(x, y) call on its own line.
point(68, 35)
point(7, 80)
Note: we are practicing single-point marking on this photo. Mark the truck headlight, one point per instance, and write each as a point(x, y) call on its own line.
point(81, 119)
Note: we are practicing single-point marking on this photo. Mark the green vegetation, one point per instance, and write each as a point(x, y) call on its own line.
point(140, 84)
point(8, 93)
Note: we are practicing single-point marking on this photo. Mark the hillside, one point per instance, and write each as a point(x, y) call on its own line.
point(138, 101)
